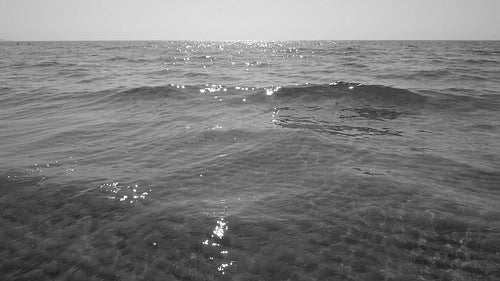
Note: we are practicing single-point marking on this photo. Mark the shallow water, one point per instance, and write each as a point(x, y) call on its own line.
point(313, 160)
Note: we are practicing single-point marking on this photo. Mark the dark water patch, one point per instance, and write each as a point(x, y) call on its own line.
point(367, 172)
point(325, 127)
point(337, 91)
point(462, 91)
point(53, 63)
point(351, 91)
point(127, 59)
point(355, 65)
point(366, 93)
point(19, 64)
point(482, 62)
point(141, 60)
point(195, 74)
point(418, 149)
point(47, 63)
point(485, 127)
point(73, 74)
point(459, 101)
point(153, 92)
point(379, 114)
point(118, 58)
point(437, 60)
point(114, 48)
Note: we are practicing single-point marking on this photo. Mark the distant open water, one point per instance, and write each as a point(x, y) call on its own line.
point(315, 160)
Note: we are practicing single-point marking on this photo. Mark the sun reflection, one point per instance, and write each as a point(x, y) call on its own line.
point(220, 228)
point(272, 90)
point(274, 115)
point(212, 88)
point(130, 194)
point(218, 233)
point(223, 266)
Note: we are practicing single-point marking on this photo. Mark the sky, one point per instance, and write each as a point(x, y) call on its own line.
point(33, 20)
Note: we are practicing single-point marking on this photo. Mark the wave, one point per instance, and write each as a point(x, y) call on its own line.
point(369, 113)
point(473, 77)
point(162, 71)
point(422, 75)
point(482, 61)
point(52, 63)
point(484, 52)
point(352, 91)
point(355, 65)
point(325, 127)
point(46, 63)
point(359, 99)
point(117, 58)
point(112, 48)
point(458, 102)
point(153, 92)
point(126, 59)
point(18, 64)
point(193, 74)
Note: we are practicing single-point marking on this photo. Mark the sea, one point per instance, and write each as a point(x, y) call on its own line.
point(250, 160)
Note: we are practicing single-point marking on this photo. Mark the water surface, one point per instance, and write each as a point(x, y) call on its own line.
point(302, 160)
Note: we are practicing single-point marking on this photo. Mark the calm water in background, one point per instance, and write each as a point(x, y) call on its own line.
point(314, 160)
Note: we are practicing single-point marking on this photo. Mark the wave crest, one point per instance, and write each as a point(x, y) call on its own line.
point(153, 92)
point(353, 91)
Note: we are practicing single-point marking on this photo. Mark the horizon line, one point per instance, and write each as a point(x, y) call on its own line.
point(235, 40)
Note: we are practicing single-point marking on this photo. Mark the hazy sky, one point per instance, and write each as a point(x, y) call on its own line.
point(248, 19)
